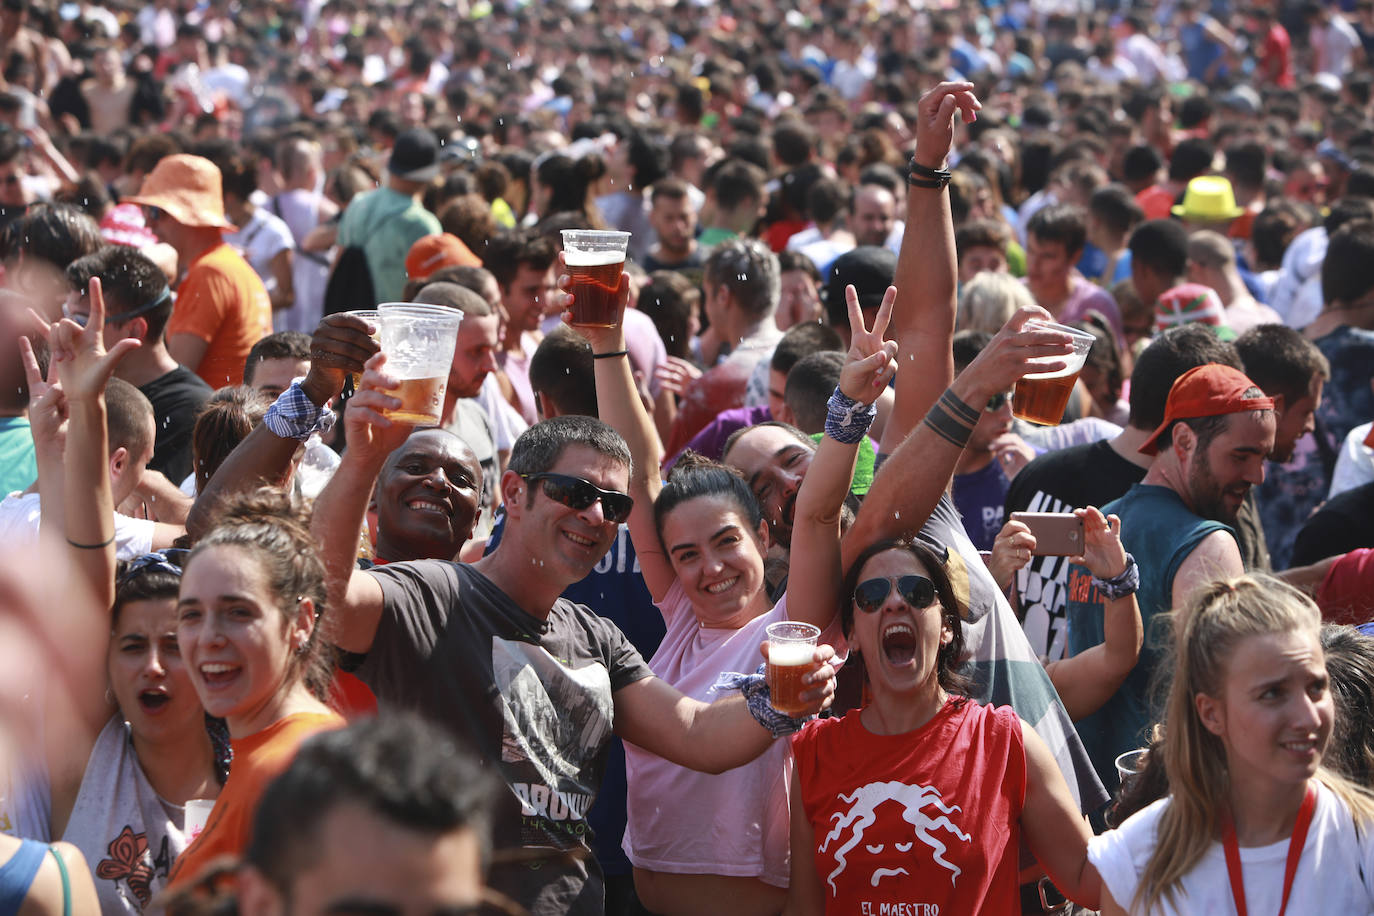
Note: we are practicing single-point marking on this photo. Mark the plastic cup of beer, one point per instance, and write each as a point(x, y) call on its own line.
point(595, 260)
point(418, 341)
point(791, 651)
point(1041, 397)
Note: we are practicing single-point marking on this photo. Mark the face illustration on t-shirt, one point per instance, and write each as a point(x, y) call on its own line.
point(891, 832)
point(556, 720)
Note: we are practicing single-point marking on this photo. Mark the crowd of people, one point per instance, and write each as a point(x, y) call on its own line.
point(268, 649)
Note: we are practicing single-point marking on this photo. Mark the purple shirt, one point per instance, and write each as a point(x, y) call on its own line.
point(710, 442)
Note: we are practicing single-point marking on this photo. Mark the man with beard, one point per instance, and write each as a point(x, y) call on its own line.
point(1178, 524)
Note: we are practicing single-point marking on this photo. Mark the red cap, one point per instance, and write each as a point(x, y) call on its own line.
point(435, 252)
point(1212, 390)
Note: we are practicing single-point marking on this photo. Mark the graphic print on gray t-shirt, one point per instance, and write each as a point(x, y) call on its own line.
point(532, 698)
point(553, 717)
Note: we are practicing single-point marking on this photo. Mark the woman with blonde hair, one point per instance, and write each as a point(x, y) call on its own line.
point(1254, 820)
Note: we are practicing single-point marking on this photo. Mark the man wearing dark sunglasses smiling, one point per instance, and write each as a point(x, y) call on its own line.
point(535, 683)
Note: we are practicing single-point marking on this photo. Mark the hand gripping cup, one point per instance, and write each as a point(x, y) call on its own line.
point(372, 317)
point(1041, 397)
point(595, 262)
point(418, 341)
point(791, 649)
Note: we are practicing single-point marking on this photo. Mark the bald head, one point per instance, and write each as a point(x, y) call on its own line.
point(455, 297)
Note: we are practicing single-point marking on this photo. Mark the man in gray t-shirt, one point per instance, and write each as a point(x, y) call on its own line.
point(534, 683)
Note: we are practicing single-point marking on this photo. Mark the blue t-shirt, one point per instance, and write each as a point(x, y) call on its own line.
point(1160, 532)
point(979, 496)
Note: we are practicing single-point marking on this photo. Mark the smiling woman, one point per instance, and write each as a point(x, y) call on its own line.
point(252, 599)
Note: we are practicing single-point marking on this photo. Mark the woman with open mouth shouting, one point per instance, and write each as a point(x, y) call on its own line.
point(252, 600)
point(1255, 822)
point(718, 843)
point(916, 802)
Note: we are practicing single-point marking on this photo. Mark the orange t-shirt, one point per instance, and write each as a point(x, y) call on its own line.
point(258, 759)
point(223, 302)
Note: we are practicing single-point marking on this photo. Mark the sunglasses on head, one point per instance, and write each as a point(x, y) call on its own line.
point(576, 493)
point(997, 400)
point(917, 591)
point(172, 560)
point(122, 317)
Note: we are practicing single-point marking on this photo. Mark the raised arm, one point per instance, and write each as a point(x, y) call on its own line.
point(815, 572)
point(909, 485)
point(618, 402)
point(355, 598)
point(708, 737)
point(338, 348)
point(923, 321)
point(1089, 679)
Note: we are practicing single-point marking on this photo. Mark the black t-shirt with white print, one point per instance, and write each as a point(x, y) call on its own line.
point(534, 699)
point(1072, 478)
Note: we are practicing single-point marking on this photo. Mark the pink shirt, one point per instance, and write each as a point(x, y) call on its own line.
point(684, 822)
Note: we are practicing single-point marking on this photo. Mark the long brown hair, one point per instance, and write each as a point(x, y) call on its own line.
point(1216, 620)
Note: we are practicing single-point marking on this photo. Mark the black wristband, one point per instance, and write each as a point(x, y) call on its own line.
point(101, 545)
point(920, 176)
point(611, 354)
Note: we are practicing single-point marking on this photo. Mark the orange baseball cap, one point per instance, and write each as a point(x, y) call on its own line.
point(435, 252)
point(1212, 390)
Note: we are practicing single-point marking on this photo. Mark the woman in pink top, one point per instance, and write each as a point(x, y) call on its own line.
point(718, 844)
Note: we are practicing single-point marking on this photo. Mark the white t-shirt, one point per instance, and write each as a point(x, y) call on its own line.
point(1334, 874)
point(1355, 463)
point(260, 240)
point(19, 515)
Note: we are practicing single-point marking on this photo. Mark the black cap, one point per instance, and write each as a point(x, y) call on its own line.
point(415, 156)
point(870, 269)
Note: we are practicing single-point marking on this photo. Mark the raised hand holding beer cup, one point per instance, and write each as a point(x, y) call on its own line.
point(372, 423)
point(1029, 343)
point(595, 262)
point(801, 680)
point(419, 341)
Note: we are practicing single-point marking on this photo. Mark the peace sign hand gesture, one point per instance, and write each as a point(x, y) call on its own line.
point(79, 355)
point(871, 361)
point(47, 402)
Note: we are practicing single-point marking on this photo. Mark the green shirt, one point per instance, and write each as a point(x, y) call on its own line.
point(385, 224)
point(18, 467)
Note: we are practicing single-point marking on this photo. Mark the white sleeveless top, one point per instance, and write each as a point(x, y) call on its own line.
point(129, 836)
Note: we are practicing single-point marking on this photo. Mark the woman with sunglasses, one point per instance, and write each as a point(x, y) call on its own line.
point(718, 844)
point(918, 800)
point(1254, 822)
point(251, 602)
point(133, 748)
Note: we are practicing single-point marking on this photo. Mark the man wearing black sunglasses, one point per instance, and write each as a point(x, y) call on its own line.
point(533, 682)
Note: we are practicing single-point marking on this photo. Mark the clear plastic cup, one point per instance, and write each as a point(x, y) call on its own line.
point(595, 259)
point(1041, 397)
point(372, 317)
point(1131, 764)
point(418, 341)
point(791, 649)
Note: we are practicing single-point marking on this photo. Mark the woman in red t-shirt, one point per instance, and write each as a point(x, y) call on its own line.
point(252, 595)
point(915, 803)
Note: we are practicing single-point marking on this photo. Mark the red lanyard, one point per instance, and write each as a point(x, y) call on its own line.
point(1295, 845)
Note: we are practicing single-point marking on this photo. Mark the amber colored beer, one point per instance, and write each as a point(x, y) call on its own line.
point(421, 400)
point(1042, 398)
point(787, 665)
point(595, 279)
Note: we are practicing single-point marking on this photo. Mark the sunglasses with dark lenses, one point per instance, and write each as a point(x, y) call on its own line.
point(576, 493)
point(997, 400)
point(917, 591)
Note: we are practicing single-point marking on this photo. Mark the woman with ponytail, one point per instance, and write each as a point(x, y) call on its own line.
point(252, 600)
point(1254, 822)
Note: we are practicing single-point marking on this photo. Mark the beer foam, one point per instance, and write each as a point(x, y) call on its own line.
point(1060, 374)
point(576, 258)
point(790, 654)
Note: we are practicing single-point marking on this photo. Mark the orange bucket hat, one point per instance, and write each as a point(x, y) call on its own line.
point(188, 188)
